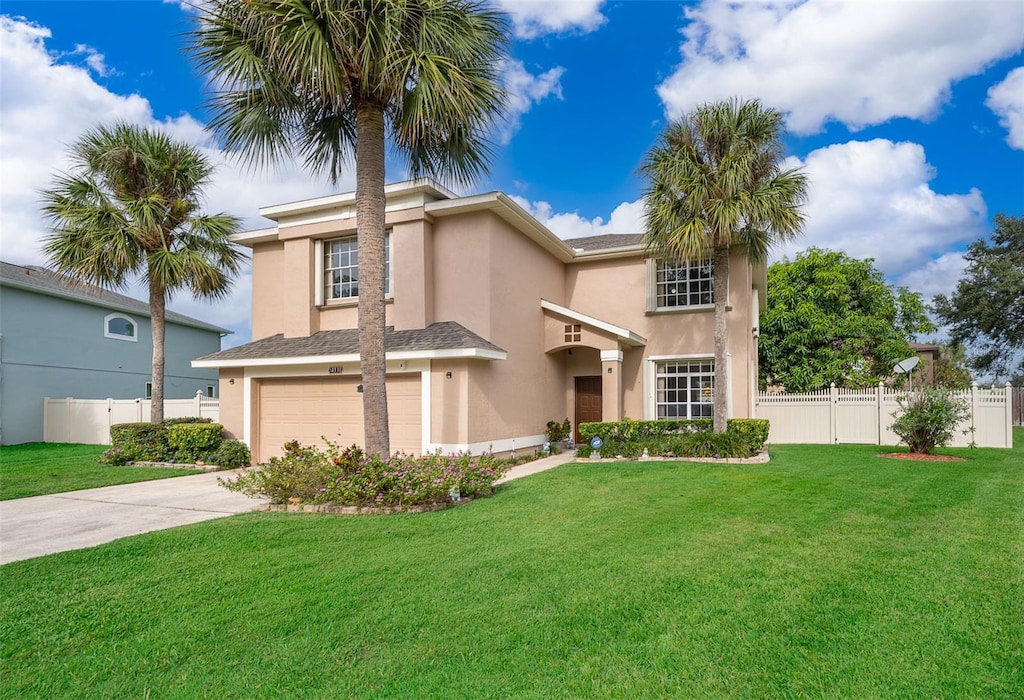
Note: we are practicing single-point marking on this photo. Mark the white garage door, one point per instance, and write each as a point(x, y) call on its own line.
point(306, 408)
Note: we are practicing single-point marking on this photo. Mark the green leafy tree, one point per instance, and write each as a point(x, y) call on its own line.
point(335, 81)
point(986, 312)
point(833, 318)
point(130, 209)
point(949, 371)
point(714, 181)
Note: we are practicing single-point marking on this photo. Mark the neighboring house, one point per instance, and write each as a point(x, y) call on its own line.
point(61, 339)
point(927, 354)
point(496, 326)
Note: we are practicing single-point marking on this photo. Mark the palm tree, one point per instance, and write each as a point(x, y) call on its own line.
point(714, 181)
point(129, 209)
point(332, 79)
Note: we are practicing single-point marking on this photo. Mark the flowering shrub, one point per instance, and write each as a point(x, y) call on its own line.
point(352, 478)
point(928, 419)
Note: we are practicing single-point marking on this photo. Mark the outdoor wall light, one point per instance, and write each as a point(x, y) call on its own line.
point(359, 388)
point(448, 375)
point(609, 370)
point(231, 381)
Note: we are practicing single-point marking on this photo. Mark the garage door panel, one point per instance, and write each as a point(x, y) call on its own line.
point(306, 408)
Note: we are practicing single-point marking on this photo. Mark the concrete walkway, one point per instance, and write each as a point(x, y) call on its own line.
point(32, 527)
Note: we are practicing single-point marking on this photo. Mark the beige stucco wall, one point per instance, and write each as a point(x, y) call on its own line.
point(491, 278)
point(232, 408)
point(615, 290)
point(268, 274)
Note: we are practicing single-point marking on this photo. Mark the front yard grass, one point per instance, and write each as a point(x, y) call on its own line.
point(39, 468)
point(828, 572)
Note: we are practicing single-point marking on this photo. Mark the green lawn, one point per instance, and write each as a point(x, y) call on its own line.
point(827, 573)
point(39, 468)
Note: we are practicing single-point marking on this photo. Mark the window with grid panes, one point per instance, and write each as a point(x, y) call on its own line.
point(685, 389)
point(680, 284)
point(341, 268)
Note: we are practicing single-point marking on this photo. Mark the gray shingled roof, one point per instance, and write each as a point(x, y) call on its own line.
point(606, 241)
point(444, 335)
point(48, 282)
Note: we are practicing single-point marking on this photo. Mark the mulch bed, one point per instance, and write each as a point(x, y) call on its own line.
point(920, 457)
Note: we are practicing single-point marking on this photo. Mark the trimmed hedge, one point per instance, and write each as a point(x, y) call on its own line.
point(139, 441)
point(190, 442)
point(174, 440)
point(744, 437)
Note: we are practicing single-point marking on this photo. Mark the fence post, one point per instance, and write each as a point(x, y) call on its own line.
point(833, 436)
point(1008, 390)
point(974, 408)
point(199, 402)
point(110, 418)
point(46, 419)
point(879, 393)
point(67, 414)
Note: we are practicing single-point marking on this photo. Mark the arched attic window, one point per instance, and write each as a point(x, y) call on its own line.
point(120, 327)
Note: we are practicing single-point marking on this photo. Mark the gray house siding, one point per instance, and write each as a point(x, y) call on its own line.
point(56, 347)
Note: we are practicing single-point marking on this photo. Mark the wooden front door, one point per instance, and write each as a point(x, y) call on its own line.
point(588, 402)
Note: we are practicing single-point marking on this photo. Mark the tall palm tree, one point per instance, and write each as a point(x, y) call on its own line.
point(130, 208)
point(714, 181)
point(330, 80)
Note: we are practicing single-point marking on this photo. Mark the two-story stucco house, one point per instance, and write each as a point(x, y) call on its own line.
point(496, 326)
point(60, 339)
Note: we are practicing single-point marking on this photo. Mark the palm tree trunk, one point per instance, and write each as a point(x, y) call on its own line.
point(720, 277)
point(370, 202)
point(157, 315)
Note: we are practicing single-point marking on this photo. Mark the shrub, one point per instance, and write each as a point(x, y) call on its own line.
point(928, 419)
point(753, 430)
point(710, 444)
point(115, 457)
point(352, 478)
point(189, 442)
point(629, 437)
point(232, 454)
point(139, 441)
point(558, 432)
point(168, 422)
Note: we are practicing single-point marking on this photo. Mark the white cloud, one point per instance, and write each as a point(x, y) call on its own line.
point(871, 199)
point(1007, 100)
point(628, 217)
point(525, 90)
point(533, 18)
point(860, 63)
point(46, 105)
point(938, 276)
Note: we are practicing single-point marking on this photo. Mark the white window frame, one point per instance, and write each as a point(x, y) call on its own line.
point(211, 392)
point(689, 295)
point(706, 401)
point(320, 254)
point(134, 338)
point(147, 392)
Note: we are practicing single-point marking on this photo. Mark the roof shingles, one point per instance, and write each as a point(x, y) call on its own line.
point(49, 282)
point(443, 335)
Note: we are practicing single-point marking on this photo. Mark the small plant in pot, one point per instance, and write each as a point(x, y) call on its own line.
point(559, 435)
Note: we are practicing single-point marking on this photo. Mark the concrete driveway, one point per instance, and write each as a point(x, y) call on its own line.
point(32, 527)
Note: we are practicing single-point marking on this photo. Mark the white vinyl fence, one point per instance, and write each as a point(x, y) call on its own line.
point(864, 416)
point(88, 421)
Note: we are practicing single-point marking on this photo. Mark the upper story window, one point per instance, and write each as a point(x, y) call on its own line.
point(120, 327)
point(573, 332)
point(682, 284)
point(341, 268)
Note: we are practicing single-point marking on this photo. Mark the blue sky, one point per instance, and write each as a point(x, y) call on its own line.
point(907, 116)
